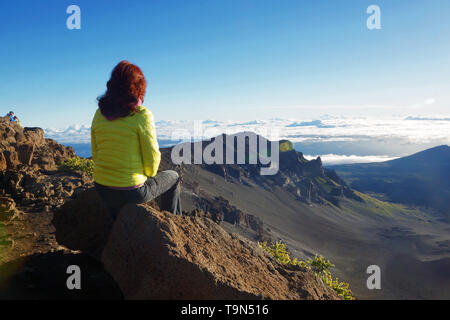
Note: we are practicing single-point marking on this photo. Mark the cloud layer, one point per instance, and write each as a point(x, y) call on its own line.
point(337, 139)
point(333, 159)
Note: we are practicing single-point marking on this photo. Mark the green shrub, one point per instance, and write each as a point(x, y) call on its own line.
point(77, 164)
point(319, 265)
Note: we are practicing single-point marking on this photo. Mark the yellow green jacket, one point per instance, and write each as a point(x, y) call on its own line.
point(125, 150)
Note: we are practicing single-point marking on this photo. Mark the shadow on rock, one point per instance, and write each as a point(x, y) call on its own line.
point(44, 276)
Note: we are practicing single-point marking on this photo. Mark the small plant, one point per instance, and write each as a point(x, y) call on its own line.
point(77, 164)
point(278, 250)
point(319, 265)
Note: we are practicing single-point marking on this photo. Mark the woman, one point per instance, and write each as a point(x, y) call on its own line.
point(124, 147)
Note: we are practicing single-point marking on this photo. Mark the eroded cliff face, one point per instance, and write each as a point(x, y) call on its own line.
point(306, 179)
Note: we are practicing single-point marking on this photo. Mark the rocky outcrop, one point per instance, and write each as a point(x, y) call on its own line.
point(28, 169)
point(219, 209)
point(36, 191)
point(157, 255)
point(27, 147)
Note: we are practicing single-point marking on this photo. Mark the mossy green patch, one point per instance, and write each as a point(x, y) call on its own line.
point(286, 146)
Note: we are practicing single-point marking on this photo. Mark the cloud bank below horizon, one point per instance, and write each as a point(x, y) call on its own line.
point(336, 139)
point(334, 159)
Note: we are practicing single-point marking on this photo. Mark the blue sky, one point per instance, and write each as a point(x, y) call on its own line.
point(227, 60)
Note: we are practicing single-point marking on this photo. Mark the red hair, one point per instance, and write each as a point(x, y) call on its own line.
point(125, 89)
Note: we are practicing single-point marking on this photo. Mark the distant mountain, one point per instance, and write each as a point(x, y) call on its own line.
point(313, 123)
point(307, 180)
point(421, 179)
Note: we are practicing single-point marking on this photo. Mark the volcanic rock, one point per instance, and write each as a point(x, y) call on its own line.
point(157, 255)
point(21, 147)
point(83, 224)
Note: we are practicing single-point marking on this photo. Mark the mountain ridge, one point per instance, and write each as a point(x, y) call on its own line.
point(421, 179)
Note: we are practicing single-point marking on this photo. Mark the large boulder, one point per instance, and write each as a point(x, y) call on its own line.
point(83, 224)
point(157, 255)
point(34, 134)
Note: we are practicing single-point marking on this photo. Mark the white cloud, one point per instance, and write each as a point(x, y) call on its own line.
point(333, 159)
point(425, 118)
point(73, 134)
point(430, 101)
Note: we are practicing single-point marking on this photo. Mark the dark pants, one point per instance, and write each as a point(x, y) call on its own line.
point(165, 184)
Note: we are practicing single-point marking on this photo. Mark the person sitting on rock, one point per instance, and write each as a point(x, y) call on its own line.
point(15, 119)
point(125, 150)
point(11, 116)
